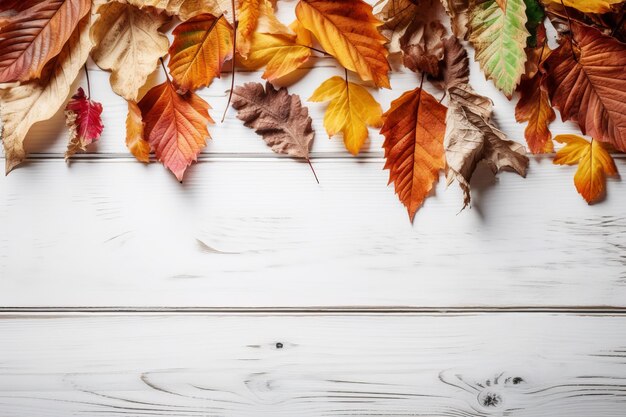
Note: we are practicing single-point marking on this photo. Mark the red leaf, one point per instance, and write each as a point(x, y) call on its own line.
point(82, 116)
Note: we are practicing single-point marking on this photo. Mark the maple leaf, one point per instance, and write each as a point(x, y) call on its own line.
point(499, 38)
point(280, 54)
point(414, 127)
point(37, 100)
point(35, 34)
point(347, 30)
point(185, 9)
point(138, 146)
point(534, 107)
point(396, 16)
point(352, 108)
point(175, 125)
point(594, 164)
point(471, 138)
point(587, 83)
point(129, 44)
point(587, 6)
point(83, 118)
point(201, 46)
point(277, 116)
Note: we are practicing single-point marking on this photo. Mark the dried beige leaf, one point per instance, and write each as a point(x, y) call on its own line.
point(396, 16)
point(128, 42)
point(186, 9)
point(26, 104)
point(458, 10)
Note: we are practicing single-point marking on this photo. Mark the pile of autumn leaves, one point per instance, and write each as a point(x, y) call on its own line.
point(45, 44)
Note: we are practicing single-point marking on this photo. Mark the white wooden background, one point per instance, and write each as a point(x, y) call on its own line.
point(250, 290)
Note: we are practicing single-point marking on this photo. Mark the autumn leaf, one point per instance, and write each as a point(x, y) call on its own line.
point(594, 164)
point(137, 145)
point(280, 54)
point(471, 138)
point(277, 116)
point(454, 68)
point(352, 108)
point(587, 83)
point(185, 9)
point(34, 101)
point(587, 6)
point(534, 107)
point(128, 42)
point(422, 46)
point(35, 34)
point(347, 30)
point(414, 127)
point(396, 16)
point(458, 10)
point(201, 46)
point(83, 118)
point(256, 15)
point(499, 38)
point(175, 125)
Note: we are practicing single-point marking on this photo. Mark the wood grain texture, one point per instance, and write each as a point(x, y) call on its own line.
point(219, 365)
point(261, 233)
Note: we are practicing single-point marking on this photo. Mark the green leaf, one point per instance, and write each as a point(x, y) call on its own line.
point(499, 38)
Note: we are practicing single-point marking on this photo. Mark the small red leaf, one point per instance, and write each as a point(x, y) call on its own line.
point(82, 116)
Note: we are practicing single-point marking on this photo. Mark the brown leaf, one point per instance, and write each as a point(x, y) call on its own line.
point(458, 10)
point(396, 16)
point(277, 116)
point(455, 65)
point(471, 138)
point(422, 45)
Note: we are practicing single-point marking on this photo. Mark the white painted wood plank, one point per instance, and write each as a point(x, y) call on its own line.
point(533, 365)
point(262, 233)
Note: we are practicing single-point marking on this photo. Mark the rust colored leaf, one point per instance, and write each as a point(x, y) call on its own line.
point(175, 125)
point(534, 107)
point(83, 118)
point(414, 128)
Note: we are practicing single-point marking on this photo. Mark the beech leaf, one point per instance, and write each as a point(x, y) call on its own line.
point(83, 118)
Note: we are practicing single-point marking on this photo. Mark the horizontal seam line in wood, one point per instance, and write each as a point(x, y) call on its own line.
point(578, 310)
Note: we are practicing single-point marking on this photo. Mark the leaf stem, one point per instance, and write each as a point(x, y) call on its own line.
point(571, 39)
point(165, 71)
point(315, 49)
point(88, 84)
point(232, 78)
point(314, 174)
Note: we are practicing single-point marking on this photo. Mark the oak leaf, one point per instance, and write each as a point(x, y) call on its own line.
point(175, 125)
point(37, 100)
point(277, 116)
point(587, 6)
point(280, 54)
point(35, 34)
point(414, 128)
point(128, 42)
point(201, 46)
point(135, 142)
point(347, 30)
point(534, 107)
point(499, 38)
point(594, 164)
point(352, 108)
point(471, 138)
point(587, 83)
point(83, 117)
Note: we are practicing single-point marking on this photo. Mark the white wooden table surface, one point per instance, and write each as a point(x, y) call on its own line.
point(250, 290)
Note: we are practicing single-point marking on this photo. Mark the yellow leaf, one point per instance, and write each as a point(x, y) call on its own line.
point(186, 9)
point(347, 30)
point(280, 54)
point(351, 110)
point(256, 15)
point(587, 6)
point(138, 146)
point(594, 164)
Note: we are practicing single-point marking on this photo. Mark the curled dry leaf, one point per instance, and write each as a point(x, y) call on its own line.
point(280, 54)
point(396, 16)
point(414, 127)
point(26, 104)
point(499, 37)
point(422, 45)
point(587, 83)
point(201, 46)
point(277, 116)
point(594, 164)
point(137, 145)
point(83, 117)
point(128, 42)
point(347, 30)
point(34, 34)
point(458, 10)
point(175, 125)
point(471, 138)
point(454, 68)
point(352, 108)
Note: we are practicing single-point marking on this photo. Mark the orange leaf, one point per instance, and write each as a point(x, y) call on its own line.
point(138, 146)
point(414, 128)
point(201, 46)
point(247, 20)
point(175, 126)
point(35, 35)
point(590, 86)
point(594, 164)
point(534, 107)
point(347, 30)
